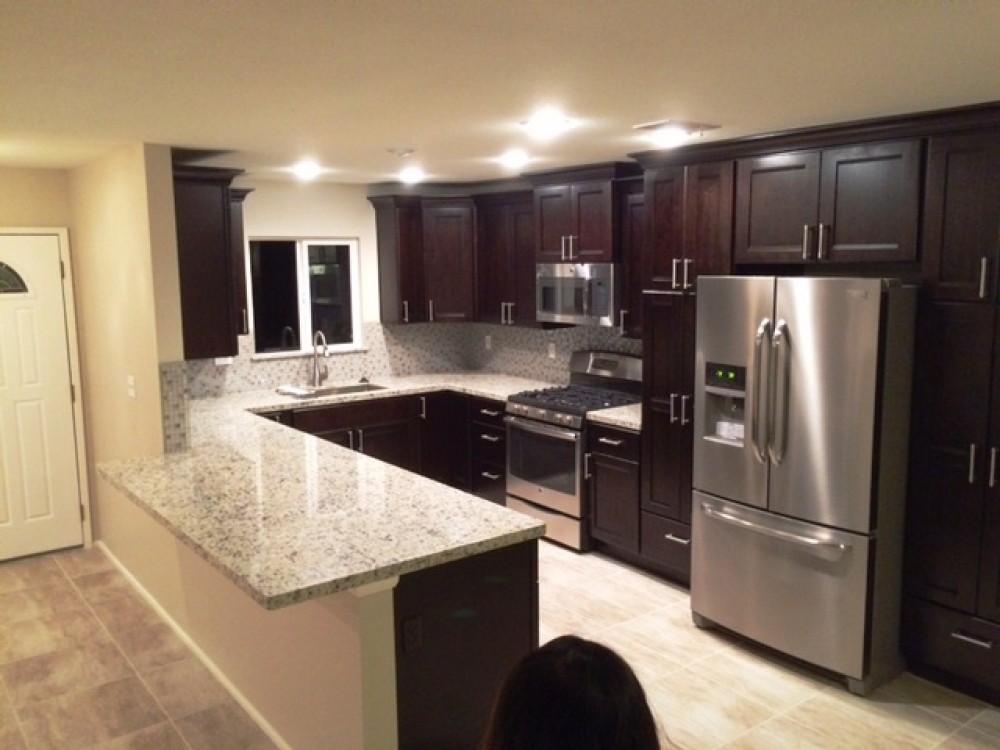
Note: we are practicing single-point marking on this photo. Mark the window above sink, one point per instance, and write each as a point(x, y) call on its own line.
point(299, 287)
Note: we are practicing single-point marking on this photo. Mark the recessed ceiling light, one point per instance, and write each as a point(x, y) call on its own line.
point(411, 175)
point(307, 170)
point(514, 158)
point(672, 133)
point(547, 123)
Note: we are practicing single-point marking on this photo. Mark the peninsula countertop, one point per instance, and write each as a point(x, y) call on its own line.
point(289, 517)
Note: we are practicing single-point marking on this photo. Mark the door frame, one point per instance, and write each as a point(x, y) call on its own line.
point(73, 345)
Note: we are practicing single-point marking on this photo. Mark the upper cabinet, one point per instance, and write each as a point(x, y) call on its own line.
point(426, 258)
point(576, 214)
point(399, 229)
point(689, 224)
point(505, 258)
point(209, 261)
point(847, 204)
point(449, 254)
point(961, 236)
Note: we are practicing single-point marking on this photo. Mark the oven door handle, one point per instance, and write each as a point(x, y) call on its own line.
point(540, 428)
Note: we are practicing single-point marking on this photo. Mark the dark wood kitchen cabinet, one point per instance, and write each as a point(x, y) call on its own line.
point(850, 204)
point(576, 213)
point(449, 255)
point(632, 228)
point(961, 229)
point(689, 224)
point(667, 431)
point(488, 448)
point(209, 261)
point(444, 446)
point(460, 627)
point(505, 258)
point(612, 474)
point(399, 233)
point(951, 624)
point(384, 428)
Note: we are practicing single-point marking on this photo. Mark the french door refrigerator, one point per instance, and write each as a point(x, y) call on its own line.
point(802, 394)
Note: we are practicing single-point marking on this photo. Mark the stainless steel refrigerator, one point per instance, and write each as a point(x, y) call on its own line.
point(802, 394)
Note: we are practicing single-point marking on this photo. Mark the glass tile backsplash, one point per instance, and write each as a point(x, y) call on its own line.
point(389, 351)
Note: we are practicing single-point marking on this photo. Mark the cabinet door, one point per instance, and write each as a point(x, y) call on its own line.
point(664, 190)
point(593, 237)
point(948, 455)
point(708, 221)
point(394, 441)
point(869, 203)
point(444, 453)
point(241, 318)
point(632, 233)
point(522, 252)
point(553, 222)
point(667, 407)
point(777, 201)
point(400, 259)
point(449, 258)
point(494, 262)
point(613, 486)
point(962, 217)
point(205, 261)
point(988, 601)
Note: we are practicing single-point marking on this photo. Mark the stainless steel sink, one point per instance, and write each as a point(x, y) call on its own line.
point(334, 389)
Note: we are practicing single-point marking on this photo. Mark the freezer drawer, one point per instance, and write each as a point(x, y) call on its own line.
point(796, 587)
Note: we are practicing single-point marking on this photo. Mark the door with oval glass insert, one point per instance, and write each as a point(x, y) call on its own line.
point(40, 497)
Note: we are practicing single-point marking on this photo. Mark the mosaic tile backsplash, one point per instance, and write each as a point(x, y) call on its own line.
point(397, 350)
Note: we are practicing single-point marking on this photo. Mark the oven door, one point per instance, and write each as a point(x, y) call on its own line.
point(543, 465)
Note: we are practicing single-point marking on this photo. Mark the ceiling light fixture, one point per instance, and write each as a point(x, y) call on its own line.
point(307, 169)
point(412, 175)
point(514, 158)
point(547, 123)
point(672, 133)
point(401, 151)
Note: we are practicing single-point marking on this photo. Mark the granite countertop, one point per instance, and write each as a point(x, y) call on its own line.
point(289, 517)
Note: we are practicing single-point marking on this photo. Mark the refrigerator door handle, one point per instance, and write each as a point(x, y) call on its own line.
point(787, 536)
point(762, 340)
point(779, 394)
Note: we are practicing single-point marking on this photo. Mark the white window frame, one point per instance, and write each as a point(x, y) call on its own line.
point(302, 245)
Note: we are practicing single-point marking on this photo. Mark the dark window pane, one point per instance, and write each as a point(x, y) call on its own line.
point(275, 295)
point(330, 290)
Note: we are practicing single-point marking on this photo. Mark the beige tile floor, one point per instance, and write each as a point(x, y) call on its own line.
point(710, 691)
point(85, 663)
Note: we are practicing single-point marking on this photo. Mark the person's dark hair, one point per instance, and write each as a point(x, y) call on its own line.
point(571, 694)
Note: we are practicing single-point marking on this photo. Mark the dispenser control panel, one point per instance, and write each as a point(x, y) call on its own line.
point(730, 377)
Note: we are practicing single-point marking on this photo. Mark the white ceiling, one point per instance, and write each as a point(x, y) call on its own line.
point(341, 81)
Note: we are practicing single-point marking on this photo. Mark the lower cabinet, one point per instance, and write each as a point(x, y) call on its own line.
point(612, 474)
point(444, 448)
point(385, 428)
point(488, 449)
point(460, 628)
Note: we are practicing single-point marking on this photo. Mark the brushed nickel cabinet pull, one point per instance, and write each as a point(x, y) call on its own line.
point(677, 539)
point(984, 267)
point(958, 635)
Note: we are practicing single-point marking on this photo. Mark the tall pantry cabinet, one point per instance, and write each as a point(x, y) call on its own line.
point(951, 623)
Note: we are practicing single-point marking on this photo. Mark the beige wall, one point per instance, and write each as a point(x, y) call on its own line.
point(317, 209)
point(115, 300)
point(35, 198)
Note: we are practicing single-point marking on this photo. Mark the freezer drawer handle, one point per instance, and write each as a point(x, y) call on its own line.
point(958, 635)
point(807, 541)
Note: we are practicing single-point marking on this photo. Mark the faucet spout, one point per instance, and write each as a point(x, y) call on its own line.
point(319, 373)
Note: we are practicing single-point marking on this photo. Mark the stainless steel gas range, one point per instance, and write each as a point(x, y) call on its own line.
point(545, 439)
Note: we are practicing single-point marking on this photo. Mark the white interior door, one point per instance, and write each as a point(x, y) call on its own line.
point(40, 498)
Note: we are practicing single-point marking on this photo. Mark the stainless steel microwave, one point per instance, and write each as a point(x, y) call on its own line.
point(584, 294)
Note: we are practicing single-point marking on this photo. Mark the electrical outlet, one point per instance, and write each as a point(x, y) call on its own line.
point(552, 350)
point(489, 342)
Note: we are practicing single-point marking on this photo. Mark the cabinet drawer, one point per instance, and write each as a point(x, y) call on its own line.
point(489, 481)
point(489, 443)
point(614, 442)
point(953, 642)
point(487, 411)
point(666, 543)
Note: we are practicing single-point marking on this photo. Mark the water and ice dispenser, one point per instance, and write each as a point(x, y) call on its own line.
point(725, 402)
